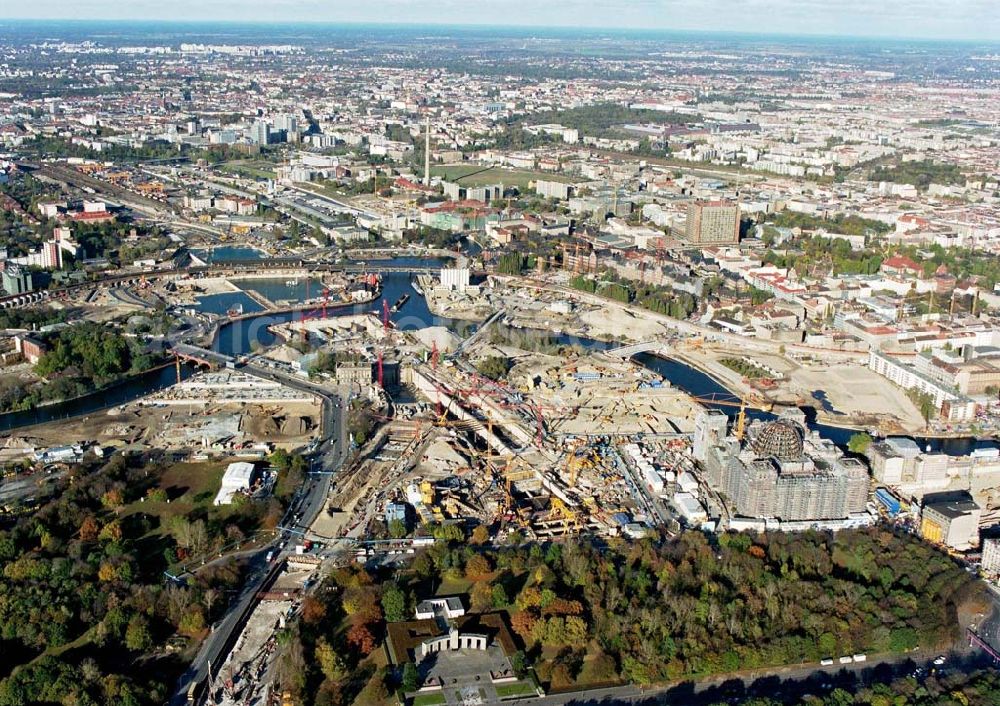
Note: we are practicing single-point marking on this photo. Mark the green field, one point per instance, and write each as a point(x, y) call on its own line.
point(428, 699)
point(521, 688)
point(254, 170)
point(190, 487)
point(477, 175)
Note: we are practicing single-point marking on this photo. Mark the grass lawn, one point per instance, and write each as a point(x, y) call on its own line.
point(428, 699)
point(521, 688)
point(451, 586)
point(188, 485)
point(259, 170)
point(477, 175)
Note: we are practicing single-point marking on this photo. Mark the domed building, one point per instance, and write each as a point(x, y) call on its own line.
point(779, 471)
point(781, 439)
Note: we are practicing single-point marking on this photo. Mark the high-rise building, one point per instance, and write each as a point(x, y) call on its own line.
point(709, 431)
point(455, 278)
point(260, 133)
point(713, 222)
point(17, 279)
point(991, 555)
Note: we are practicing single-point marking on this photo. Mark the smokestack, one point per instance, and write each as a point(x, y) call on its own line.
point(427, 153)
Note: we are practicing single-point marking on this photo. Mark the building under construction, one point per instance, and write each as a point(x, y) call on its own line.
point(778, 470)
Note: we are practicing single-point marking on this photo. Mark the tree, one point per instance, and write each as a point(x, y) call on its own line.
point(397, 529)
point(477, 567)
point(411, 678)
point(313, 610)
point(494, 367)
point(360, 638)
point(480, 535)
point(329, 660)
point(137, 635)
point(927, 407)
point(394, 603)
point(859, 443)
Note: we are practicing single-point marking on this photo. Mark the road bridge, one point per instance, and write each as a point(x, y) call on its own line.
point(203, 356)
point(625, 352)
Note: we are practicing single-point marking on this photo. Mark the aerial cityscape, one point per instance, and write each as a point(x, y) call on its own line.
point(429, 354)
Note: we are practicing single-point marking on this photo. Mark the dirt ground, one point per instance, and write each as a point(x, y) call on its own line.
point(840, 392)
point(177, 425)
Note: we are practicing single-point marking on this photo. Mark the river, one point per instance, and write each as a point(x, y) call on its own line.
point(239, 337)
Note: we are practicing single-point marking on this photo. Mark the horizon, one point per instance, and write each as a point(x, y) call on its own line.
point(964, 21)
point(645, 32)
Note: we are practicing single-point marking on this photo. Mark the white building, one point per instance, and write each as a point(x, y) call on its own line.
point(952, 406)
point(991, 556)
point(455, 278)
point(236, 479)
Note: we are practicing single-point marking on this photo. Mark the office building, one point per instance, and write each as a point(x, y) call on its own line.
point(709, 431)
point(990, 562)
point(260, 133)
point(951, 519)
point(457, 192)
point(713, 223)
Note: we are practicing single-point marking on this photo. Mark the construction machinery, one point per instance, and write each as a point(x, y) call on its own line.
point(579, 457)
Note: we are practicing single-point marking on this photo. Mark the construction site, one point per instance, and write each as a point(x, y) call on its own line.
point(562, 444)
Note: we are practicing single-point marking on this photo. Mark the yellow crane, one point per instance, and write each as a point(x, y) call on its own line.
point(741, 420)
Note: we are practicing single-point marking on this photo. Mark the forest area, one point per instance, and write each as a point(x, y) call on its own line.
point(649, 612)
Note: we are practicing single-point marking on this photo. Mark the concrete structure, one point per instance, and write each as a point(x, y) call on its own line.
point(905, 372)
point(991, 556)
point(458, 192)
point(951, 519)
point(360, 373)
point(17, 280)
point(709, 431)
point(236, 479)
point(555, 189)
point(454, 640)
point(713, 222)
point(455, 278)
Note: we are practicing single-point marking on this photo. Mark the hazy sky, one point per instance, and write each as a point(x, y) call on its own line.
point(946, 19)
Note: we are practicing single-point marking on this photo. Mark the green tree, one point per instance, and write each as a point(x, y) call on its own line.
point(137, 635)
point(411, 678)
point(859, 442)
point(393, 603)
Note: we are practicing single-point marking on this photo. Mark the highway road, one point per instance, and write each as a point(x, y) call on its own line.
point(786, 684)
point(328, 456)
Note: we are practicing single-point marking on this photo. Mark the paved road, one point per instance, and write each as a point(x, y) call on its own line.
point(788, 684)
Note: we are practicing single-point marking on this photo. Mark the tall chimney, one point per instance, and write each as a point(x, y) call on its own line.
point(427, 153)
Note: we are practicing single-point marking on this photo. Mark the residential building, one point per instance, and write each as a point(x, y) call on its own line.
point(713, 223)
